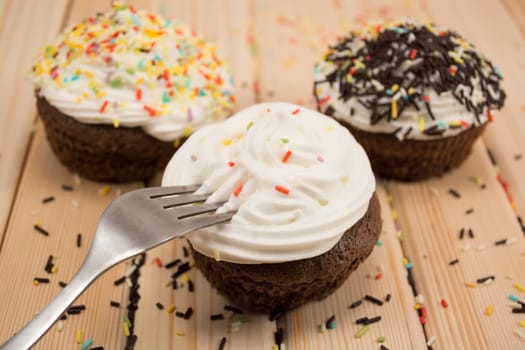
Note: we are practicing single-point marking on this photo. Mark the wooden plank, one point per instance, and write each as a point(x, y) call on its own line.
point(516, 10)
point(431, 224)
point(26, 251)
point(289, 40)
point(24, 27)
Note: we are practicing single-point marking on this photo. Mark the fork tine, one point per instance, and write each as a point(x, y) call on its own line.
point(205, 221)
point(192, 210)
point(170, 202)
point(159, 192)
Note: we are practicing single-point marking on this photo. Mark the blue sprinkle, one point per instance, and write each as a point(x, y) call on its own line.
point(409, 266)
point(65, 80)
point(389, 92)
point(135, 20)
point(86, 344)
point(157, 57)
point(140, 65)
point(202, 92)
point(513, 298)
point(74, 78)
point(379, 243)
point(442, 124)
point(167, 23)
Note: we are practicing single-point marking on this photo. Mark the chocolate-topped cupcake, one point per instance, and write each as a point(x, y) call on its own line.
point(415, 96)
point(304, 191)
point(119, 91)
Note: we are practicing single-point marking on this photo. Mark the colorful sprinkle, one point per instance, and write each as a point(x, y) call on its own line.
point(282, 189)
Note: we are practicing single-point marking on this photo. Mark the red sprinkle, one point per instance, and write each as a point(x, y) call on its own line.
point(166, 75)
point(103, 107)
point(465, 124)
point(423, 320)
point(378, 276)
point(424, 312)
point(426, 98)
point(138, 94)
point(231, 164)
point(296, 111)
point(413, 54)
point(323, 101)
point(282, 189)
point(444, 303)
point(158, 262)
point(237, 191)
point(286, 156)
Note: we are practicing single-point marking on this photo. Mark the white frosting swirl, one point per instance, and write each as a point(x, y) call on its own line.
point(133, 68)
point(298, 179)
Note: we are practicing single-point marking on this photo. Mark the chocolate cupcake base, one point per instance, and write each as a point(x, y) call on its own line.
point(102, 152)
point(284, 286)
point(414, 160)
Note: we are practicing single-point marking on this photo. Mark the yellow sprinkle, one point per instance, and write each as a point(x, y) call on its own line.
point(405, 261)
point(78, 336)
point(330, 128)
point(184, 278)
point(180, 333)
point(275, 347)
point(394, 109)
point(411, 91)
point(519, 286)
point(101, 94)
point(470, 284)
point(323, 202)
point(187, 130)
point(421, 124)
point(344, 179)
point(35, 282)
point(125, 328)
point(171, 309)
point(85, 94)
point(417, 306)
point(458, 60)
point(394, 214)
point(489, 310)
point(227, 142)
point(104, 190)
point(152, 33)
point(89, 74)
point(139, 81)
point(394, 87)
point(521, 323)
point(115, 122)
point(54, 269)
point(176, 143)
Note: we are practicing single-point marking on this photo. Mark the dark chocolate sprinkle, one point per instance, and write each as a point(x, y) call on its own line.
point(114, 303)
point(361, 320)
point(172, 264)
point(329, 322)
point(97, 348)
point(373, 300)
point(453, 262)
point(188, 313)
point(119, 281)
point(191, 286)
point(159, 306)
point(461, 233)
point(67, 188)
point(372, 320)
point(500, 242)
point(222, 344)
point(278, 336)
point(518, 310)
point(185, 251)
point(41, 230)
point(276, 314)
point(62, 284)
point(491, 156)
point(382, 347)
point(233, 309)
point(470, 233)
point(485, 279)
point(217, 317)
point(41, 279)
point(48, 199)
point(355, 304)
point(79, 240)
point(179, 314)
point(388, 297)
point(454, 193)
point(469, 211)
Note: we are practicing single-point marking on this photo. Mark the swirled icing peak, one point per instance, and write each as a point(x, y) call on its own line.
point(134, 68)
point(414, 80)
point(298, 179)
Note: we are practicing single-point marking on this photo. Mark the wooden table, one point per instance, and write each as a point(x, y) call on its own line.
point(272, 46)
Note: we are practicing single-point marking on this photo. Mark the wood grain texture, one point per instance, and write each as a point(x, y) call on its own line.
point(25, 252)
point(24, 27)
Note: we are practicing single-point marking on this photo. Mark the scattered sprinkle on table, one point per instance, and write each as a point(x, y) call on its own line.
point(373, 300)
point(39, 229)
point(355, 304)
point(48, 199)
point(222, 344)
point(362, 331)
point(114, 304)
point(454, 193)
point(489, 310)
point(67, 188)
point(453, 262)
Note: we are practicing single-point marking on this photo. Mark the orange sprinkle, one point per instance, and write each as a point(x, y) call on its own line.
point(231, 164)
point(444, 303)
point(237, 191)
point(150, 110)
point(426, 98)
point(489, 115)
point(378, 276)
point(296, 111)
point(323, 101)
point(158, 262)
point(465, 124)
point(413, 54)
point(103, 107)
point(138, 94)
point(282, 189)
point(286, 156)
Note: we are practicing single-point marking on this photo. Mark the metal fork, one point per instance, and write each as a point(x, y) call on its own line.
point(135, 222)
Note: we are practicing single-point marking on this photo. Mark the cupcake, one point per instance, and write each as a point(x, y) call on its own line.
point(120, 91)
point(304, 192)
point(415, 96)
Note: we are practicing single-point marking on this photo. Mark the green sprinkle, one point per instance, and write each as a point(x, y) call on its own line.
point(332, 325)
point(166, 97)
point(283, 140)
point(86, 344)
point(379, 243)
point(130, 71)
point(250, 124)
point(380, 339)
point(361, 332)
point(513, 298)
point(116, 82)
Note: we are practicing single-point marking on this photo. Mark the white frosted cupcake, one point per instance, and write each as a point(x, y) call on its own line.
point(304, 191)
point(120, 91)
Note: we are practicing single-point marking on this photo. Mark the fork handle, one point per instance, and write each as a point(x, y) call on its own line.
point(40, 324)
